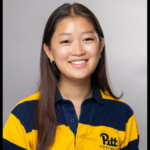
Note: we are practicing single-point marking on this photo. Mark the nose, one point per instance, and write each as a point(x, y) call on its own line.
point(78, 49)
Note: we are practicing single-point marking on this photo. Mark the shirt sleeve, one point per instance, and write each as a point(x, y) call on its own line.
point(131, 141)
point(14, 135)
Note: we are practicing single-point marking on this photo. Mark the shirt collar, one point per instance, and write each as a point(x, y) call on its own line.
point(96, 94)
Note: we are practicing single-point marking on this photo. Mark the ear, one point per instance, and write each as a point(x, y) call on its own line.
point(48, 52)
point(102, 44)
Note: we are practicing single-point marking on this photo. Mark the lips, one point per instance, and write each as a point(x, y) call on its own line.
point(78, 63)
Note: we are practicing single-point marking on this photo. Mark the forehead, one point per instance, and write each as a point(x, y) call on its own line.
point(74, 24)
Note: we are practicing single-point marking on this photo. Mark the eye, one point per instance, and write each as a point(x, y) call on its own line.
point(88, 39)
point(65, 41)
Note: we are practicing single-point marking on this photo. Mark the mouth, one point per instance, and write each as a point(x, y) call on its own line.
point(79, 63)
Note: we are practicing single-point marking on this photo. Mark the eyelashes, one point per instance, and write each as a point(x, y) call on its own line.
point(89, 39)
point(67, 41)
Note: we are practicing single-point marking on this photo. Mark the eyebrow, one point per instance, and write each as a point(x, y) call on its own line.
point(81, 33)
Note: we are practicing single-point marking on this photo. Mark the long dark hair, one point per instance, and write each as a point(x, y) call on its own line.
point(46, 121)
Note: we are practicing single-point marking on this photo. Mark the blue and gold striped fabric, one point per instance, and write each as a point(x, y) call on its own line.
point(104, 124)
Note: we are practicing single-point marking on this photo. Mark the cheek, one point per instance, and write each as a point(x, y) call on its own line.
point(61, 53)
point(92, 49)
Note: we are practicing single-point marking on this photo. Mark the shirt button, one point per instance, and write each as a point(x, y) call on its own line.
point(72, 120)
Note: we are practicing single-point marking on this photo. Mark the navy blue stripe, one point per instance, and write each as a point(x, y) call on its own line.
point(61, 119)
point(133, 145)
point(9, 146)
point(25, 112)
point(113, 114)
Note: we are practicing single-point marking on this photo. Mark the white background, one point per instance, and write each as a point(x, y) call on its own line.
point(124, 23)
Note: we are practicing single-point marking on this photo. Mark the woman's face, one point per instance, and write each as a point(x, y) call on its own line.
point(75, 48)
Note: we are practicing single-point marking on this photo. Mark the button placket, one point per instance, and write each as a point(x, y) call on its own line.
point(70, 115)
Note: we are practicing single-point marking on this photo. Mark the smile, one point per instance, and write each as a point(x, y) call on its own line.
point(79, 63)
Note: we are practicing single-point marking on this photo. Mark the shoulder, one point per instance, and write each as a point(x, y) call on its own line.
point(22, 117)
point(25, 108)
point(25, 104)
point(107, 96)
point(117, 106)
point(29, 99)
point(24, 111)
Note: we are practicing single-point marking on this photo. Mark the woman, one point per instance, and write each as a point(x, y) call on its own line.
point(74, 107)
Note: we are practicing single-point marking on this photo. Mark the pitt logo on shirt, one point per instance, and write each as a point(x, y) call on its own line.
point(109, 141)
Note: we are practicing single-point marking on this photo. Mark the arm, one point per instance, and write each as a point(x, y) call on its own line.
point(14, 134)
point(131, 140)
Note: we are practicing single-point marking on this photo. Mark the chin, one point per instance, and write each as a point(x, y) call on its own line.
point(80, 77)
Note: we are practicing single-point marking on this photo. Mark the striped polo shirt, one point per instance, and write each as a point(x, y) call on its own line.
point(104, 124)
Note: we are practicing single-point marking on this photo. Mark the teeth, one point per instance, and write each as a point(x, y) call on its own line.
point(78, 62)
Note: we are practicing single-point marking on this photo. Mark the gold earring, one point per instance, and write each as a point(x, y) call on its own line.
point(52, 62)
point(100, 56)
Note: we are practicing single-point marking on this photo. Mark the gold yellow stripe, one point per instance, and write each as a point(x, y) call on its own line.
point(131, 131)
point(32, 136)
point(30, 98)
point(64, 139)
point(15, 133)
point(89, 137)
point(108, 96)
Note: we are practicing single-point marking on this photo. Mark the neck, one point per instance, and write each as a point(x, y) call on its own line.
point(75, 91)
